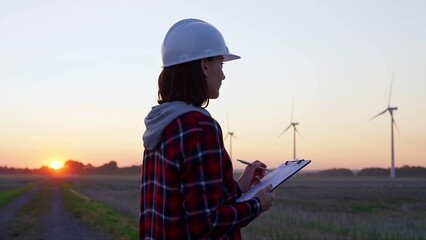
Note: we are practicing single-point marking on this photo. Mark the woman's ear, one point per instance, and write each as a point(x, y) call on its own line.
point(205, 66)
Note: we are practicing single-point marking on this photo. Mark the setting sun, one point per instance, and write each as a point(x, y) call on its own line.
point(56, 165)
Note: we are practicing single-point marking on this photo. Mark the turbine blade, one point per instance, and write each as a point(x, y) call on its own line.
point(226, 137)
point(285, 130)
point(235, 137)
point(297, 131)
point(390, 91)
point(379, 114)
point(292, 108)
point(396, 126)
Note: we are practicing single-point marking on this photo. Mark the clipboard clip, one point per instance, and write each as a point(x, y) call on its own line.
point(294, 161)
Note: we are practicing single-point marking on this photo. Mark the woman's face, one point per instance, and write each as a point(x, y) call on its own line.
point(214, 75)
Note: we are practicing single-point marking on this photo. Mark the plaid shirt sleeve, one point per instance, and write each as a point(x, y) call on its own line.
point(188, 190)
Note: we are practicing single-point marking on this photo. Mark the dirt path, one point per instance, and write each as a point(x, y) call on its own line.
point(55, 224)
point(60, 224)
point(8, 212)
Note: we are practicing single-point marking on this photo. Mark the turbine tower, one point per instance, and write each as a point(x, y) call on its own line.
point(230, 135)
point(393, 123)
point(292, 124)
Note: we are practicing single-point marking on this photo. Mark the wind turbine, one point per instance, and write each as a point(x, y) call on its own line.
point(230, 135)
point(393, 123)
point(292, 124)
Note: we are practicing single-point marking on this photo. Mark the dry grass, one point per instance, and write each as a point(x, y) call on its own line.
point(308, 207)
point(311, 207)
point(12, 181)
point(122, 193)
point(344, 208)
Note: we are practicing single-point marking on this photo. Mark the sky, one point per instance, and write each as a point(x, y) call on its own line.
point(77, 79)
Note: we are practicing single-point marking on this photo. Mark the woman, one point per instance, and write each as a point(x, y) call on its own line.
point(187, 189)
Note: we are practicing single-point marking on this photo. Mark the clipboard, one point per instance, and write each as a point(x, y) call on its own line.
point(276, 177)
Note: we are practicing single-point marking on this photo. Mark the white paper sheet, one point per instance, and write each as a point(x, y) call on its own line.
point(276, 177)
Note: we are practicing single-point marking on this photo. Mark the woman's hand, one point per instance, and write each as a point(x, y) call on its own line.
point(265, 197)
point(251, 176)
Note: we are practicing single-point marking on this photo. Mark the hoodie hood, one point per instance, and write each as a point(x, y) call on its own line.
point(161, 116)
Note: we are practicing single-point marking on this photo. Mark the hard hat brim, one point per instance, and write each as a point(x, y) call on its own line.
point(226, 58)
point(230, 57)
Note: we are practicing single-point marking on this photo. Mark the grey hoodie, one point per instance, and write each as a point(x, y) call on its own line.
point(161, 116)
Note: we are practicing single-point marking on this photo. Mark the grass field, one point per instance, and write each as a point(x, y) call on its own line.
point(345, 208)
point(117, 224)
point(12, 186)
point(306, 207)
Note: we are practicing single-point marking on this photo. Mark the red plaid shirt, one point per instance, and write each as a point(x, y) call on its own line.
point(187, 189)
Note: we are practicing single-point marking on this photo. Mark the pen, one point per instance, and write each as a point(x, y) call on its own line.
point(249, 163)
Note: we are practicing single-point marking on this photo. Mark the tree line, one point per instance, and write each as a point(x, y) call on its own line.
point(76, 168)
point(404, 171)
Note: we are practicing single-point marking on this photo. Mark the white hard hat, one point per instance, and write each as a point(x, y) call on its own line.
point(193, 39)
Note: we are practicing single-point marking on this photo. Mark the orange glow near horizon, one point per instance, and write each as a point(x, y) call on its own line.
point(56, 165)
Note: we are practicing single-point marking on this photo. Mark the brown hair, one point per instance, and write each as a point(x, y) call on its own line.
point(183, 82)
